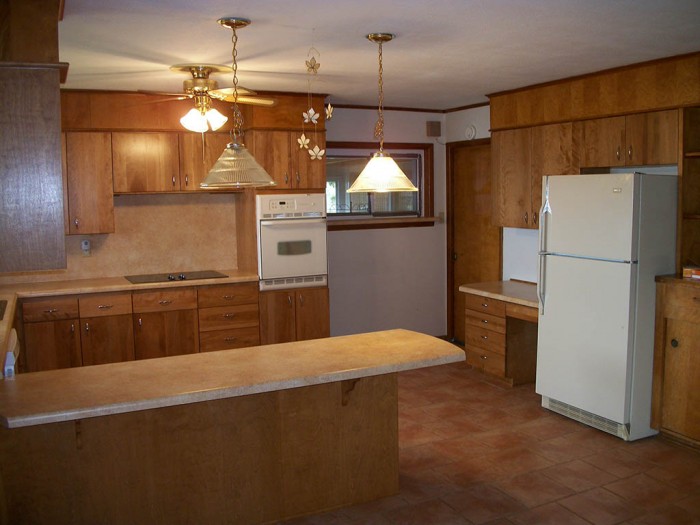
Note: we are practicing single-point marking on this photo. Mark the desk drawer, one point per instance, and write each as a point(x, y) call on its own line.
point(487, 361)
point(481, 338)
point(165, 300)
point(226, 317)
point(226, 339)
point(486, 305)
point(482, 320)
point(101, 304)
point(682, 302)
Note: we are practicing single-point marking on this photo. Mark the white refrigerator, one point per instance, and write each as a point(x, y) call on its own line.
point(603, 239)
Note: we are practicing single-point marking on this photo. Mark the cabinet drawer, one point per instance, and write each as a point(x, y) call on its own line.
point(49, 309)
point(487, 361)
point(225, 339)
point(682, 302)
point(97, 305)
point(164, 300)
point(226, 294)
point(484, 304)
point(224, 317)
point(482, 320)
point(481, 338)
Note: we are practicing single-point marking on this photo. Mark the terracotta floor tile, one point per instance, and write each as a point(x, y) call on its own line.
point(550, 514)
point(483, 503)
point(422, 457)
point(667, 515)
point(619, 462)
point(691, 504)
point(601, 507)
point(579, 475)
point(644, 491)
point(549, 427)
point(425, 485)
point(472, 471)
point(502, 438)
point(518, 460)
point(457, 426)
point(434, 512)
point(533, 489)
point(556, 451)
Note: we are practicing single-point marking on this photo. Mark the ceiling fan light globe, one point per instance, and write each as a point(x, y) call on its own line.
point(194, 121)
point(215, 119)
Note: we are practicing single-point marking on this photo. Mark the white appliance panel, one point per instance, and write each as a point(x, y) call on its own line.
point(585, 334)
point(292, 248)
point(591, 215)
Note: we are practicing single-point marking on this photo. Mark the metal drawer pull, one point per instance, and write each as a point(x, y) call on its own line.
point(72, 328)
point(229, 297)
point(229, 315)
point(485, 321)
point(164, 302)
point(51, 311)
point(289, 300)
point(617, 153)
point(105, 306)
point(629, 152)
point(230, 339)
point(140, 321)
point(87, 327)
point(484, 336)
point(483, 357)
point(485, 305)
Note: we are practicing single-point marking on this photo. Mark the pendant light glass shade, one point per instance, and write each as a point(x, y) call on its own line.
point(236, 168)
point(194, 120)
point(381, 175)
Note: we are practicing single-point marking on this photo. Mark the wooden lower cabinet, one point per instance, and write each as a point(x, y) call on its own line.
point(228, 316)
point(294, 315)
point(676, 397)
point(107, 339)
point(52, 344)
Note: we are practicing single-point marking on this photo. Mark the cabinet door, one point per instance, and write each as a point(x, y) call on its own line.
point(511, 166)
point(309, 174)
point(652, 138)
point(89, 180)
point(198, 153)
point(272, 151)
point(162, 334)
point(312, 314)
point(681, 396)
point(603, 142)
point(52, 344)
point(277, 317)
point(108, 339)
point(145, 162)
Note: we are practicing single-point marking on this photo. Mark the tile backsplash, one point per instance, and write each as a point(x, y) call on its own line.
point(153, 233)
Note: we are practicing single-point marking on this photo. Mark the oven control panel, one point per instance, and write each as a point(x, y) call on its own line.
point(292, 206)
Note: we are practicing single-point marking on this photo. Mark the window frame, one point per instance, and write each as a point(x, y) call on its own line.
point(426, 218)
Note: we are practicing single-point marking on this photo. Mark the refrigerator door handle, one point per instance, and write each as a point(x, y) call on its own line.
point(541, 282)
point(544, 210)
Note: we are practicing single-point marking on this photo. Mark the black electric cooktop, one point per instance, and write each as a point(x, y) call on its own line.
point(174, 276)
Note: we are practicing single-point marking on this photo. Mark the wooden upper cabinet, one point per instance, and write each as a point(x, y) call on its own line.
point(145, 162)
point(198, 153)
point(635, 140)
point(510, 161)
point(88, 165)
point(290, 166)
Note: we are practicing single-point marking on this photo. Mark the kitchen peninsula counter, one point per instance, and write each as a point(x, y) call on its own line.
point(253, 435)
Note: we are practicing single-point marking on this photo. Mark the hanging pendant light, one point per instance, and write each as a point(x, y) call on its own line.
point(381, 174)
point(236, 167)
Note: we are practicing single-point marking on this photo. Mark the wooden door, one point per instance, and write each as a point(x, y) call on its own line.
point(272, 151)
point(652, 138)
point(89, 180)
point(277, 317)
point(198, 153)
point(681, 396)
point(52, 344)
point(107, 339)
point(309, 174)
point(163, 334)
point(604, 142)
point(145, 162)
point(312, 314)
point(474, 242)
point(510, 159)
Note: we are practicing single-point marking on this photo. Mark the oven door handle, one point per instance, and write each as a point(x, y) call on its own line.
point(292, 222)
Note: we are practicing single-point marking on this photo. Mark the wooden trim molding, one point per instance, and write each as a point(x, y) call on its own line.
point(375, 224)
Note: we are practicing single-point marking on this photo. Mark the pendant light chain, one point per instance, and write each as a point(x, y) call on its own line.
point(379, 127)
point(237, 116)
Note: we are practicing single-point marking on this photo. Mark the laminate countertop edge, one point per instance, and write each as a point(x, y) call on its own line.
point(100, 390)
point(517, 292)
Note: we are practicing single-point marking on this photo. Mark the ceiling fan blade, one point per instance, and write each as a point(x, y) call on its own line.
point(226, 94)
point(179, 96)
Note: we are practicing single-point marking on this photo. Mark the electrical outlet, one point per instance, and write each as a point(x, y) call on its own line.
point(85, 247)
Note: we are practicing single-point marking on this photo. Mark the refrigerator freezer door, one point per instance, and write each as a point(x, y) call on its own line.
point(584, 336)
point(591, 216)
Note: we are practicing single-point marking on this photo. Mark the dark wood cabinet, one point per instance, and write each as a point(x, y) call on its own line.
point(294, 315)
point(145, 162)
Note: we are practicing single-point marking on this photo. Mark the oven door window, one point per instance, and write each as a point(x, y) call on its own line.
point(292, 248)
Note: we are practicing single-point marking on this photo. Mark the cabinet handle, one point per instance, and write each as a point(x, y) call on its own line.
point(72, 328)
point(230, 339)
point(187, 180)
point(534, 218)
point(76, 221)
point(484, 357)
point(674, 343)
point(629, 152)
point(617, 153)
point(87, 327)
point(228, 297)
point(228, 315)
point(173, 180)
point(298, 179)
point(140, 322)
point(51, 311)
point(286, 178)
point(289, 300)
point(485, 305)
point(164, 302)
point(525, 217)
point(485, 321)
point(301, 299)
point(105, 306)
point(484, 337)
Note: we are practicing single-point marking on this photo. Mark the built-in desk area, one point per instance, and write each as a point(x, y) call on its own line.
point(501, 329)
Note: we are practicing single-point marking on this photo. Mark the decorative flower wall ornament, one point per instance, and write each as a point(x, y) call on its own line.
point(303, 142)
point(310, 116)
point(316, 153)
point(329, 111)
point(312, 65)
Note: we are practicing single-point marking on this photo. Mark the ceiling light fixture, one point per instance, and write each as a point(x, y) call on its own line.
point(381, 174)
point(203, 117)
point(236, 167)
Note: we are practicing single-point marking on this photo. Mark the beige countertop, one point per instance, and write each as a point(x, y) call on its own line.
point(77, 393)
point(12, 292)
point(518, 292)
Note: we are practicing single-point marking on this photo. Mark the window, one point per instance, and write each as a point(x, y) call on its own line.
point(345, 161)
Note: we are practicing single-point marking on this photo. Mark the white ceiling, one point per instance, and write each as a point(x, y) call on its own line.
point(447, 54)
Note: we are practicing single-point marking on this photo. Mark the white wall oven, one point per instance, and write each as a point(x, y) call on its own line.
point(292, 240)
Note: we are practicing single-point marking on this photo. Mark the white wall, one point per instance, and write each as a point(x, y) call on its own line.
point(389, 278)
